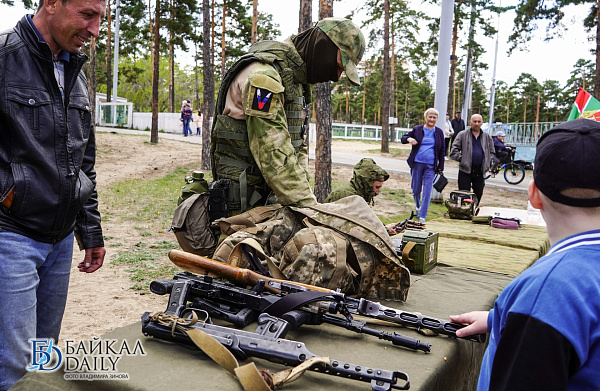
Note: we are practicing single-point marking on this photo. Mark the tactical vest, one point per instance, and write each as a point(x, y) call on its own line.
point(230, 150)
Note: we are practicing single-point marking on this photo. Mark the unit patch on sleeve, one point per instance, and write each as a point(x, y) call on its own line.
point(262, 100)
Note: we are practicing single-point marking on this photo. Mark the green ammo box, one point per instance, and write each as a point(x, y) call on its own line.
point(422, 256)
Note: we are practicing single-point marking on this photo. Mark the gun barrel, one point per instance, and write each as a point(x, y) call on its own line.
point(378, 311)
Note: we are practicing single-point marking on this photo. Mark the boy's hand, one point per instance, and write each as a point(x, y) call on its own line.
point(476, 320)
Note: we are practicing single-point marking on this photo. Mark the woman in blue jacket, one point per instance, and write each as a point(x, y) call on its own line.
point(426, 158)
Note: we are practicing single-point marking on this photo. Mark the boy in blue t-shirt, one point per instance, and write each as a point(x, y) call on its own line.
point(545, 325)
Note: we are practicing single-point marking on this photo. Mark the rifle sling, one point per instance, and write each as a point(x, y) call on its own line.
point(295, 300)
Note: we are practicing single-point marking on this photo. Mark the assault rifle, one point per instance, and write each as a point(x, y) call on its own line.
point(242, 306)
point(201, 265)
point(266, 343)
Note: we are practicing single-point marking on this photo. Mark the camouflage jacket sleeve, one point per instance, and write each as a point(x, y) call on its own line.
point(270, 142)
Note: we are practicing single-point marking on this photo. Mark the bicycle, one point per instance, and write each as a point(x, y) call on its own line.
point(514, 173)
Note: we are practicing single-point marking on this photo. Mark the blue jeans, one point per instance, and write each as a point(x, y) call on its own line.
point(422, 180)
point(34, 279)
point(186, 126)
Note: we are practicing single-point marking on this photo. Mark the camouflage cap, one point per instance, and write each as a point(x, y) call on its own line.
point(349, 39)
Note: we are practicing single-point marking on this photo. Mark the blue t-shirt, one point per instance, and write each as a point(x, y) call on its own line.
point(426, 153)
point(559, 296)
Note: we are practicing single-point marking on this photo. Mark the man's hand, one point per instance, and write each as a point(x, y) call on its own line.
point(94, 257)
point(412, 141)
point(394, 228)
point(476, 320)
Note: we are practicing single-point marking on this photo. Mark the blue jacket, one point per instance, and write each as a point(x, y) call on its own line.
point(417, 133)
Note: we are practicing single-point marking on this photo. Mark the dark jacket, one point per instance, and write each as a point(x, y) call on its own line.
point(498, 145)
point(462, 151)
point(417, 133)
point(47, 147)
point(458, 125)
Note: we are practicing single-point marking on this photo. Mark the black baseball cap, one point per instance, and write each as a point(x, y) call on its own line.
point(568, 157)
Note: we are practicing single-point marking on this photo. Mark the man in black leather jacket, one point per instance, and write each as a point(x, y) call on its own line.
point(47, 176)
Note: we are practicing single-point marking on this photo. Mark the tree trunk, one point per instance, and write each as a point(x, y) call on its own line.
point(323, 109)
point(223, 41)
point(155, 74)
point(209, 85)
point(347, 103)
point(254, 33)
point(108, 53)
point(305, 15)
point(92, 79)
point(385, 125)
point(171, 61)
point(393, 111)
point(305, 23)
point(364, 93)
point(196, 87)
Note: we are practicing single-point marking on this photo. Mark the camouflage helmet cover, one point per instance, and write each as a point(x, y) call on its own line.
point(349, 39)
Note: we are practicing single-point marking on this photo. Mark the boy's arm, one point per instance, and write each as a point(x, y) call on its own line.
point(532, 355)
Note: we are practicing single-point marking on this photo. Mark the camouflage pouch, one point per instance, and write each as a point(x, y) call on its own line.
point(387, 281)
point(195, 184)
point(318, 256)
point(191, 225)
point(261, 233)
point(461, 205)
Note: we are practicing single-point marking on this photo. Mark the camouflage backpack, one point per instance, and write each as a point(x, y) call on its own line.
point(461, 205)
point(337, 245)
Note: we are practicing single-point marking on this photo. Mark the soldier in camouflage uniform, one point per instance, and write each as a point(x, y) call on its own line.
point(366, 182)
point(258, 137)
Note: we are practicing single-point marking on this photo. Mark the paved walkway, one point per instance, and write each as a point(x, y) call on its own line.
point(391, 165)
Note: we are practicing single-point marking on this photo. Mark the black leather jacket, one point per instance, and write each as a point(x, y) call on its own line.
point(47, 147)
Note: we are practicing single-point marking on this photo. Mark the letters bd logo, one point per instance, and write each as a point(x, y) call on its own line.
point(44, 355)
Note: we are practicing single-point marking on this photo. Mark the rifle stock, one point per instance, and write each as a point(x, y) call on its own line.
point(200, 265)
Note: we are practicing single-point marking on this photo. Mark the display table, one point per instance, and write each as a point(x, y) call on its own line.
point(475, 263)
point(452, 364)
point(482, 247)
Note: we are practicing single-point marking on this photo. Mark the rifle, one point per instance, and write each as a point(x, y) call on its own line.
point(201, 265)
point(242, 306)
point(266, 343)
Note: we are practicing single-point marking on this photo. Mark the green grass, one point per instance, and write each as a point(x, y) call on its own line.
point(147, 205)
point(146, 263)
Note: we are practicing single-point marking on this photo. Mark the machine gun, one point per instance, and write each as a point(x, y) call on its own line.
point(242, 306)
point(266, 343)
point(201, 265)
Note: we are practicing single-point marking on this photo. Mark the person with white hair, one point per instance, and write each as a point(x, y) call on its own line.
point(425, 160)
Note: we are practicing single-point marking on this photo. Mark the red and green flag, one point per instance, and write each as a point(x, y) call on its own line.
point(585, 106)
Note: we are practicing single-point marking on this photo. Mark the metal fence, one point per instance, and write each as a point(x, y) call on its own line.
point(519, 134)
point(523, 133)
point(364, 132)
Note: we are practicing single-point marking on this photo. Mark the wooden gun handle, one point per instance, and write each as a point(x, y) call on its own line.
point(200, 265)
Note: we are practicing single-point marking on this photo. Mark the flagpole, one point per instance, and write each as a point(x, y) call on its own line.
point(493, 91)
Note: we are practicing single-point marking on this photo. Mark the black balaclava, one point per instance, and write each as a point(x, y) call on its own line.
point(319, 53)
